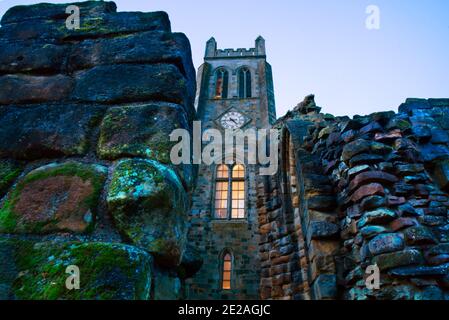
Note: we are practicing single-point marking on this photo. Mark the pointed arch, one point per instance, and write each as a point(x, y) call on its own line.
point(244, 82)
point(226, 269)
point(221, 83)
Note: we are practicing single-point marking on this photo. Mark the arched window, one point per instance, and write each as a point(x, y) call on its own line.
point(238, 192)
point(221, 83)
point(227, 271)
point(222, 192)
point(244, 83)
point(230, 192)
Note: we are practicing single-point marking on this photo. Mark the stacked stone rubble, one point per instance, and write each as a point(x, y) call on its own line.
point(389, 175)
point(85, 171)
point(299, 245)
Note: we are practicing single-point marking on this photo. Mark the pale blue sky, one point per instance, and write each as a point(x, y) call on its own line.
point(323, 47)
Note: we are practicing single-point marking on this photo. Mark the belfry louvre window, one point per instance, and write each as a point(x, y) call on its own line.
point(230, 192)
point(244, 83)
point(227, 271)
point(221, 83)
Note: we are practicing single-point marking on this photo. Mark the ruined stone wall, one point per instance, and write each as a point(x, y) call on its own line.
point(85, 174)
point(354, 193)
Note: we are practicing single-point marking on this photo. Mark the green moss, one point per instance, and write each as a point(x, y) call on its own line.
point(9, 219)
point(148, 204)
point(9, 171)
point(116, 123)
point(135, 178)
point(107, 271)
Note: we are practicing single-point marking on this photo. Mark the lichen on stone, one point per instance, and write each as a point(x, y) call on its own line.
point(56, 197)
point(107, 271)
point(9, 171)
point(149, 207)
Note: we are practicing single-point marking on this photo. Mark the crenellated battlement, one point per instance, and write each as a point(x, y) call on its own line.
point(236, 52)
point(213, 52)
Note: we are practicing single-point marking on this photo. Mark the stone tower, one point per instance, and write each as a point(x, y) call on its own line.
point(235, 91)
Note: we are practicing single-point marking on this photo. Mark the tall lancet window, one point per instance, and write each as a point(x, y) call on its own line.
point(221, 83)
point(230, 192)
point(244, 83)
point(227, 271)
point(222, 192)
point(238, 192)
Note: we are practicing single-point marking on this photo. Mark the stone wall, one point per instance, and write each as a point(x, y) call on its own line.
point(352, 193)
point(85, 174)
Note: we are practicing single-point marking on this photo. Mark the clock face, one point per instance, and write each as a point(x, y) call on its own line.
point(232, 120)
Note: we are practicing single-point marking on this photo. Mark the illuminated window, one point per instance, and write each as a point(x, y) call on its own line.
point(221, 84)
point(221, 192)
point(244, 83)
point(230, 192)
point(227, 271)
point(238, 192)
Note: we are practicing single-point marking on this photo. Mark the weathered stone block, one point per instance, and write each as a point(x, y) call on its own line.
point(398, 259)
point(54, 198)
point(412, 104)
point(432, 221)
point(407, 210)
point(431, 152)
point(371, 127)
point(388, 137)
point(371, 189)
point(20, 89)
point(149, 206)
point(140, 131)
point(144, 48)
point(369, 232)
point(442, 248)
point(420, 271)
point(47, 11)
point(356, 170)
point(408, 169)
point(372, 176)
point(398, 123)
point(419, 235)
point(29, 56)
point(323, 230)
point(379, 216)
point(325, 287)
point(402, 223)
point(422, 132)
point(47, 131)
point(385, 243)
point(365, 158)
point(107, 271)
point(131, 83)
point(372, 202)
point(353, 148)
point(114, 24)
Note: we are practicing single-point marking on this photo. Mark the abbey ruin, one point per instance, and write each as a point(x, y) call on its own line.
point(86, 179)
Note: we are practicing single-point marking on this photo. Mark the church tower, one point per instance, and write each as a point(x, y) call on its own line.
point(234, 91)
